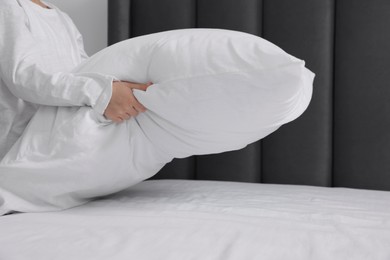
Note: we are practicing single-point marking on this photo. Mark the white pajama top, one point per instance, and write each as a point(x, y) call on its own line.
point(38, 49)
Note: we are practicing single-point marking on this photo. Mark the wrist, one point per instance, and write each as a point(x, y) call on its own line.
point(105, 97)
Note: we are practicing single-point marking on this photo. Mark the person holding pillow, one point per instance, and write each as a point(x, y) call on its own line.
point(213, 91)
point(39, 46)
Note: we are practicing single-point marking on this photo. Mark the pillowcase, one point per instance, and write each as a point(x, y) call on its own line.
point(222, 89)
point(214, 91)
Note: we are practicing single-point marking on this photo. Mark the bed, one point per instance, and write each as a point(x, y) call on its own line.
point(317, 188)
point(195, 219)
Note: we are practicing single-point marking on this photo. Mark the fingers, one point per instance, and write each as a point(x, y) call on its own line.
point(142, 87)
point(123, 104)
point(138, 86)
point(118, 120)
point(123, 116)
point(114, 117)
point(126, 115)
point(132, 112)
point(137, 105)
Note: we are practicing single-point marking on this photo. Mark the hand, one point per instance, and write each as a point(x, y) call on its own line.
point(123, 103)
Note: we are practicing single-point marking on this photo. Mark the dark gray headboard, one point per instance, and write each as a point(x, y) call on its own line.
point(343, 139)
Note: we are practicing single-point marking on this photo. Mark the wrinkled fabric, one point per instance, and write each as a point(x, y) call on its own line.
point(208, 220)
point(214, 91)
point(38, 48)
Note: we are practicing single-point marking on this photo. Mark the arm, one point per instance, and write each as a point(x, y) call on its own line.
point(78, 37)
point(26, 79)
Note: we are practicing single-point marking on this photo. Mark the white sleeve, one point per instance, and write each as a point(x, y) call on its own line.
point(80, 44)
point(20, 70)
point(78, 37)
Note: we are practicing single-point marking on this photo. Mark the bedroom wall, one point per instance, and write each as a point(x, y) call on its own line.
point(90, 16)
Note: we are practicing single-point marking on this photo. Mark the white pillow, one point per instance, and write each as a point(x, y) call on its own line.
point(214, 91)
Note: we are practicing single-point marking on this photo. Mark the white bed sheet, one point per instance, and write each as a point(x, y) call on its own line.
point(183, 219)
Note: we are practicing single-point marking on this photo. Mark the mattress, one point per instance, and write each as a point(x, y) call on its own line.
point(192, 219)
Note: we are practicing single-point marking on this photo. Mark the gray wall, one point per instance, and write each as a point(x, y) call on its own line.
point(90, 16)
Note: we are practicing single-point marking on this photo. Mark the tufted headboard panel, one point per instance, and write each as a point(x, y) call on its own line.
point(343, 139)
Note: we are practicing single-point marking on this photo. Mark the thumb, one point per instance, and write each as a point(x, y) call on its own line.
point(140, 86)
